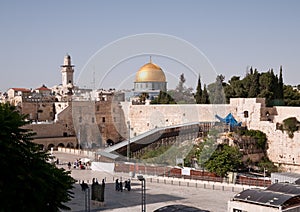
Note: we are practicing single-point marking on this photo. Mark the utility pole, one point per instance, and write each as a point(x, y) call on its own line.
point(128, 145)
point(143, 203)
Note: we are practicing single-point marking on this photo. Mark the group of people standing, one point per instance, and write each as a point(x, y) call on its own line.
point(119, 185)
point(78, 164)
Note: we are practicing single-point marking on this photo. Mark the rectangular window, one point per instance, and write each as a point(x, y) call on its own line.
point(103, 119)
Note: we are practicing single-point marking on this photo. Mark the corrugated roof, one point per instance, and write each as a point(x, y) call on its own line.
point(268, 198)
point(286, 188)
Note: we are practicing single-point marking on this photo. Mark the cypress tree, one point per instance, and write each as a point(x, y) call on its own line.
point(205, 96)
point(254, 87)
point(280, 85)
point(198, 95)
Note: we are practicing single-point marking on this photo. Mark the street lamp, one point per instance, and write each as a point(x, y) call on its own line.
point(128, 145)
point(142, 179)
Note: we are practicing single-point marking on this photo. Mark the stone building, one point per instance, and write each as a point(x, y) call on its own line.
point(110, 118)
point(65, 90)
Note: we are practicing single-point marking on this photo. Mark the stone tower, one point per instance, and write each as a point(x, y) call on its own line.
point(67, 71)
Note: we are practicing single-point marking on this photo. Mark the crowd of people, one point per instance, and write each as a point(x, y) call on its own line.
point(78, 164)
point(119, 185)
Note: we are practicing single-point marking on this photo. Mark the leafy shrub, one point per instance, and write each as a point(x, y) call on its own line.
point(291, 125)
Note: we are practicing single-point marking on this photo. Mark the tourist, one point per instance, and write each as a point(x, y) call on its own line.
point(84, 186)
point(121, 186)
point(127, 185)
point(117, 185)
point(103, 183)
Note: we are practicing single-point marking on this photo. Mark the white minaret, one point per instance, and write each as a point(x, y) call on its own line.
point(67, 71)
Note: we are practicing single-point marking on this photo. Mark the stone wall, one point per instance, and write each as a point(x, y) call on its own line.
point(48, 143)
point(39, 111)
point(111, 121)
point(46, 130)
point(146, 117)
point(282, 149)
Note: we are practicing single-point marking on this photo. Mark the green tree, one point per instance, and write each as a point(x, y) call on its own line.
point(182, 94)
point(205, 96)
point(254, 85)
point(291, 125)
point(265, 85)
point(280, 85)
point(143, 97)
point(216, 92)
point(259, 136)
point(180, 86)
point(267, 166)
point(291, 96)
point(229, 89)
point(163, 98)
point(225, 159)
point(28, 182)
point(198, 95)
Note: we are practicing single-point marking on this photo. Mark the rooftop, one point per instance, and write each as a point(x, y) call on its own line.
point(277, 195)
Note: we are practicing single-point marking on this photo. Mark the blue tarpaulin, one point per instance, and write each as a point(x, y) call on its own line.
point(229, 119)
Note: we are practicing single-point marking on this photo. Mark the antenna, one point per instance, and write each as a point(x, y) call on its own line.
point(150, 59)
point(94, 82)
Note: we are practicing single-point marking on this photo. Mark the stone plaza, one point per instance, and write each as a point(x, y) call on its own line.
point(160, 191)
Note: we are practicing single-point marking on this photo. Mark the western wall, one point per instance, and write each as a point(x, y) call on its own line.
point(252, 112)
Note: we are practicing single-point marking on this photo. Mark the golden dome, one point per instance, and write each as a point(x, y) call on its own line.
point(150, 72)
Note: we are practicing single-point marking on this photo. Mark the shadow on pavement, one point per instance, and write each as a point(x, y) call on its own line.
point(116, 199)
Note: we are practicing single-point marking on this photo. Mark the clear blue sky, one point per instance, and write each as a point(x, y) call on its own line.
point(233, 35)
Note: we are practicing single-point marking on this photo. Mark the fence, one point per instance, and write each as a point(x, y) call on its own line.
point(171, 172)
point(85, 153)
point(198, 175)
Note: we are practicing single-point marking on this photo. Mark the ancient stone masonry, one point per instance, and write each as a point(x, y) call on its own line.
point(252, 112)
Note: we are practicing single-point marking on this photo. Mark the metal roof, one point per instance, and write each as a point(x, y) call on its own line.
point(286, 188)
point(268, 198)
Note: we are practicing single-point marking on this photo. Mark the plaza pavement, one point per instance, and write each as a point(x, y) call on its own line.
point(160, 191)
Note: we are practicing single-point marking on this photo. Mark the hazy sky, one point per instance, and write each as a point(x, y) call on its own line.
point(233, 35)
